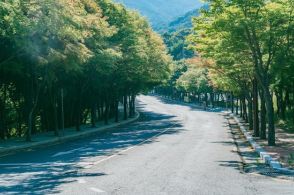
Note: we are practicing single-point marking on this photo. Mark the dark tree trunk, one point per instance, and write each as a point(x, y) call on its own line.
point(100, 111)
point(55, 118)
point(250, 112)
point(205, 101)
point(232, 102)
point(241, 109)
point(212, 99)
point(270, 116)
point(125, 107)
point(245, 114)
point(106, 113)
point(32, 101)
point(237, 106)
point(130, 107)
point(133, 109)
point(283, 106)
point(78, 113)
point(116, 111)
point(93, 115)
point(262, 117)
point(255, 109)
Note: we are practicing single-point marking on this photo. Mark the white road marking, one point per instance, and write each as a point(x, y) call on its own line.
point(97, 190)
point(86, 165)
point(82, 181)
point(67, 152)
point(130, 148)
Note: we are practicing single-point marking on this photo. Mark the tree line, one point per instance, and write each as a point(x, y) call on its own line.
point(245, 50)
point(66, 63)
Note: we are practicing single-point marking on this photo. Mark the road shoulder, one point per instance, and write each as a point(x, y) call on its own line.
point(252, 163)
point(12, 146)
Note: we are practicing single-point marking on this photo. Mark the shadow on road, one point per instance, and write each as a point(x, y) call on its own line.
point(43, 170)
point(233, 164)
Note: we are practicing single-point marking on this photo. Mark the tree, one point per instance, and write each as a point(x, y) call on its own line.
point(95, 53)
point(256, 29)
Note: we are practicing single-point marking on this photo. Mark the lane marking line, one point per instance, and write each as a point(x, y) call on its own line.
point(88, 165)
point(67, 152)
point(130, 148)
point(82, 181)
point(97, 190)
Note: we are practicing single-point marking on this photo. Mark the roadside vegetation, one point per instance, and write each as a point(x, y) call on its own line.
point(244, 60)
point(65, 63)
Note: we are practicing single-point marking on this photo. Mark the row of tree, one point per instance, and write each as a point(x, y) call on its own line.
point(65, 63)
point(245, 56)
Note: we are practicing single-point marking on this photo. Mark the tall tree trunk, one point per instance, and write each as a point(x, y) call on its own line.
point(241, 109)
point(262, 117)
point(116, 110)
point(130, 107)
point(55, 118)
point(78, 113)
point(245, 116)
point(133, 99)
point(232, 102)
point(93, 115)
point(237, 106)
point(283, 107)
point(99, 110)
point(255, 109)
point(212, 99)
point(250, 113)
point(32, 101)
point(106, 112)
point(205, 101)
point(270, 116)
point(125, 107)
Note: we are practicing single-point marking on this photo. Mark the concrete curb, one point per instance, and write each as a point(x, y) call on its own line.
point(59, 140)
point(266, 157)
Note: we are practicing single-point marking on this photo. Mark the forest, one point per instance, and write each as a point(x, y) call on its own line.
point(243, 59)
point(66, 63)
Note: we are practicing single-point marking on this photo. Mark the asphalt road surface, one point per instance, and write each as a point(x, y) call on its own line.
point(171, 149)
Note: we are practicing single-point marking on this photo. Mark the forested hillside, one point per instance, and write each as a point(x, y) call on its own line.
point(66, 63)
point(175, 35)
point(162, 12)
point(184, 21)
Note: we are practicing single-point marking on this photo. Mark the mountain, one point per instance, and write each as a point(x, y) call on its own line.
point(174, 35)
point(183, 22)
point(161, 12)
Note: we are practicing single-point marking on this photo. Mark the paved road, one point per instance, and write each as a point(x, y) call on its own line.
point(172, 149)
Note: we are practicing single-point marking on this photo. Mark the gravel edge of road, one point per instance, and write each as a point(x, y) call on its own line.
point(59, 140)
point(266, 157)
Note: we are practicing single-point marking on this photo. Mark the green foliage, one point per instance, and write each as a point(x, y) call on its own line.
point(246, 41)
point(96, 52)
point(195, 80)
point(177, 44)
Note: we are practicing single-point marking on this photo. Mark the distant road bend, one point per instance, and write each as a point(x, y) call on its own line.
point(171, 149)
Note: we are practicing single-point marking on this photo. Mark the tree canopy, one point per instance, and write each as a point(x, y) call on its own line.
point(249, 44)
point(73, 58)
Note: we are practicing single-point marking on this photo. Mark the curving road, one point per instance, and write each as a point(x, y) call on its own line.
point(171, 149)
